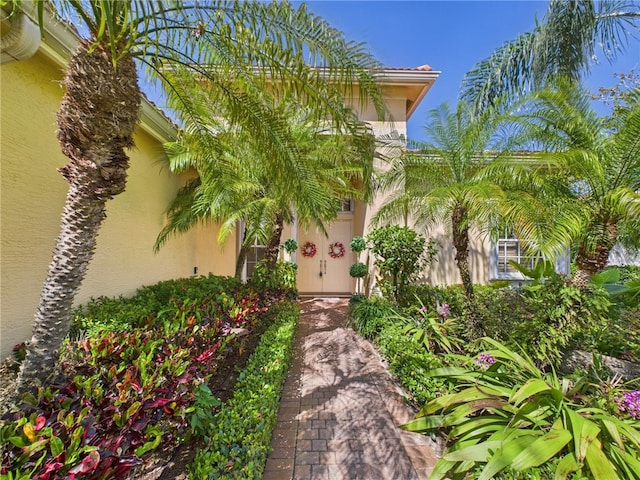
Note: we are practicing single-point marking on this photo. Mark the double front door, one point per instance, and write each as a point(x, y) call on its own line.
point(327, 271)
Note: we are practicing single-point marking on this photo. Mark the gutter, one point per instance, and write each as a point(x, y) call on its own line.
point(23, 40)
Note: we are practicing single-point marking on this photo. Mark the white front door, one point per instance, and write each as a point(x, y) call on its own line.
point(323, 273)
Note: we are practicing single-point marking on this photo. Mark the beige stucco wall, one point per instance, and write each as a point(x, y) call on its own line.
point(444, 270)
point(33, 194)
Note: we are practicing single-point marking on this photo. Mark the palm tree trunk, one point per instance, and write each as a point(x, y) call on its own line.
point(592, 261)
point(242, 255)
point(272, 250)
point(461, 244)
point(96, 121)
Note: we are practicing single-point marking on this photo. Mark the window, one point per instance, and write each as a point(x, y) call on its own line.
point(508, 248)
point(255, 253)
point(346, 206)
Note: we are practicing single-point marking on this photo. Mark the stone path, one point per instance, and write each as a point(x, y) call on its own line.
point(340, 409)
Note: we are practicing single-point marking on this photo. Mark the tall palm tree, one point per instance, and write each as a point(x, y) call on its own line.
point(99, 110)
point(239, 182)
point(443, 179)
point(594, 172)
point(564, 43)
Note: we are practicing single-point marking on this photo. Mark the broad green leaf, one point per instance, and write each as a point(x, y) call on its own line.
point(613, 432)
point(469, 408)
point(630, 462)
point(476, 453)
point(442, 469)
point(584, 433)
point(56, 446)
point(529, 389)
point(600, 466)
point(541, 450)
point(503, 457)
point(566, 466)
point(422, 424)
point(479, 422)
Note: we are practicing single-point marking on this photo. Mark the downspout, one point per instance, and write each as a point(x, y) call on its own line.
point(22, 40)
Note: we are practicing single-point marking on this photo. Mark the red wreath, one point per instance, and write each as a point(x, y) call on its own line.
point(336, 250)
point(308, 249)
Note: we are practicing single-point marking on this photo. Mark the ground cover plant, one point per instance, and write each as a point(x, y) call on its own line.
point(121, 394)
point(502, 406)
point(239, 435)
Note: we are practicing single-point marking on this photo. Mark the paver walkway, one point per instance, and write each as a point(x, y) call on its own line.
point(340, 409)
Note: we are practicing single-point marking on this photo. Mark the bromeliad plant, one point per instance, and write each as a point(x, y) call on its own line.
point(507, 414)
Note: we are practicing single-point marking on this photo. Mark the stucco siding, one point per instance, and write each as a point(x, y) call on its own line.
point(33, 195)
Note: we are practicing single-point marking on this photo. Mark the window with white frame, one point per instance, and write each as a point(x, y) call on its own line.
point(507, 249)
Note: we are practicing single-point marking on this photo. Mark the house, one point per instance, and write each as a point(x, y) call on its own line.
point(33, 192)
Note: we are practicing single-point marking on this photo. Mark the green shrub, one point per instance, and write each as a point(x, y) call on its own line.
point(409, 361)
point(371, 315)
point(118, 314)
point(282, 277)
point(545, 319)
point(358, 244)
point(290, 245)
point(358, 270)
point(120, 395)
point(401, 256)
point(240, 434)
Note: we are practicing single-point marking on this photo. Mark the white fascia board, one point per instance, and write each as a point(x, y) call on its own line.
point(406, 77)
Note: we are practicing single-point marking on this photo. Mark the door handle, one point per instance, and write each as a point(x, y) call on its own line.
point(325, 267)
point(320, 267)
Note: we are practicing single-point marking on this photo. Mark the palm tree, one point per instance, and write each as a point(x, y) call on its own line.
point(443, 180)
point(99, 110)
point(563, 43)
point(594, 179)
point(237, 181)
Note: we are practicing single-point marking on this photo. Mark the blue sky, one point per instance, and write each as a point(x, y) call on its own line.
point(451, 36)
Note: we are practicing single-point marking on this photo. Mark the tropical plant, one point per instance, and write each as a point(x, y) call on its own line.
point(239, 182)
point(123, 394)
point(370, 315)
point(564, 43)
point(593, 181)
point(508, 414)
point(401, 255)
point(442, 179)
point(100, 108)
point(435, 332)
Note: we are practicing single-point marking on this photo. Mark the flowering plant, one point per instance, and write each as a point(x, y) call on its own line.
point(336, 250)
point(308, 249)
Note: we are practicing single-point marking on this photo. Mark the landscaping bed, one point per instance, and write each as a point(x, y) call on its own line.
point(139, 377)
point(498, 403)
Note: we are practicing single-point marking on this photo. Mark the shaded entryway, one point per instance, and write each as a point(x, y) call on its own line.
point(340, 408)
